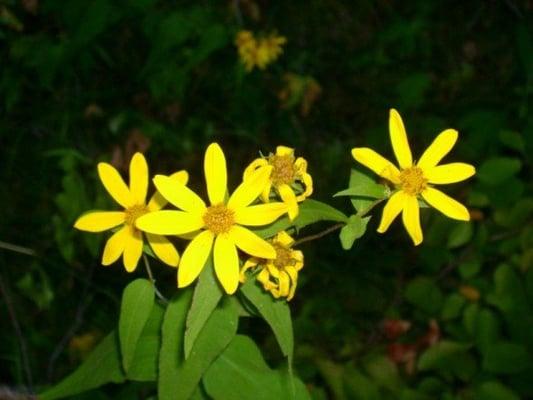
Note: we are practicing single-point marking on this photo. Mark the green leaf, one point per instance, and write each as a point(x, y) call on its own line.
point(353, 230)
point(240, 372)
point(460, 235)
point(497, 170)
point(494, 390)
point(275, 312)
point(207, 295)
point(506, 358)
point(358, 386)
point(469, 269)
point(143, 367)
point(217, 333)
point(137, 303)
point(101, 367)
point(364, 190)
point(440, 355)
point(452, 307)
point(171, 354)
point(424, 294)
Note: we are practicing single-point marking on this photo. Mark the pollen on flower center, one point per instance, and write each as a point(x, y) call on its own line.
point(413, 181)
point(135, 212)
point(283, 171)
point(219, 218)
point(283, 257)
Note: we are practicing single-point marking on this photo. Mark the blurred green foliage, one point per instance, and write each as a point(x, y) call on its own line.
point(84, 81)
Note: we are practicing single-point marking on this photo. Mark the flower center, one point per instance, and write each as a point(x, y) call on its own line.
point(283, 257)
point(283, 171)
point(219, 218)
point(413, 181)
point(135, 212)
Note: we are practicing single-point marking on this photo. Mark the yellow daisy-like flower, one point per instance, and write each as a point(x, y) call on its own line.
point(414, 179)
point(258, 52)
point(218, 226)
point(278, 276)
point(128, 240)
point(289, 178)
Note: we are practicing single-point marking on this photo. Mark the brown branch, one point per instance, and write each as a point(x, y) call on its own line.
point(319, 234)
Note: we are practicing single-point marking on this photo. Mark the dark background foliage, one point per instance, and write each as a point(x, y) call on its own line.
point(86, 81)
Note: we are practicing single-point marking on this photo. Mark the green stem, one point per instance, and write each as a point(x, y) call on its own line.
point(152, 280)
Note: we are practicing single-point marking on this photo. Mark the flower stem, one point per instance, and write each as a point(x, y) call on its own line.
point(152, 280)
point(318, 235)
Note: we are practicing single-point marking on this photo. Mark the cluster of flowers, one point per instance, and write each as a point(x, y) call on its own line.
point(258, 52)
point(218, 228)
point(280, 181)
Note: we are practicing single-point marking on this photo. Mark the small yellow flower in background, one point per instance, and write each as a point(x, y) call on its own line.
point(414, 179)
point(128, 240)
point(218, 226)
point(288, 178)
point(278, 276)
point(258, 52)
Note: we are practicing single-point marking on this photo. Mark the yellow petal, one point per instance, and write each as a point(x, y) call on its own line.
point(115, 185)
point(194, 258)
point(257, 163)
point(272, 270)
point(449, 173)
point(265, 194)
point(284, 239)
point(264, 278)
point(261, 214)
point(398, 138)
point(179, 195)
point(300, 165)
point(391, 210)
point(215, 173)
point(99, 221)
point(284, 151)
point(250, 189)
point(411, 219)
point(163, 249)
point(289, 198)
point(291, 271)
point(226, 262)
point(157, 202)
point(138, 178)
point(169, 222)
point(115, 246)
point(436, 151)
point(250, 243)
point(445, 204)
point(308, 183)
point(249, 264)
point(133, 249)
point(380, 165)
point(284, 284)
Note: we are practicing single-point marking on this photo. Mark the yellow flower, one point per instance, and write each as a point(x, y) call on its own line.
point(246, 45)
point(278, 276)
point(414, 179)
point(218, 226)
point(128, 240)
point(258, 53)
point(289, 178)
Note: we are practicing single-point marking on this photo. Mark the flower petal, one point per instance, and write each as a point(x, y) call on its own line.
point(445, 204)
point(391, 210)
point(169, 222)
point(308, 183)
point(215, 173)
point(265, 194)
point(449, 173)
point(284, 284)
point(261, 214)
point(133, 249)
point(411, 219)
point(194, 258)
point(250, 188)
point(289, 198)
point(250, 243)
point(115, 246)
point(255, 164)
point(179, 195)
point(249, 264)
point(99, 221)
point(114, 184)
point(291, 271)
point(163, 249)
point(436, 151)
point(138, 178)
point(284, 151)
point(226, 262)
point(157, 202)
point(398, 138)
point(284, 239)
point(380, 165)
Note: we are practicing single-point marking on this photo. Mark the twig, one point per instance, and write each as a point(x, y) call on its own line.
point(18, 333)
point(319, 234)
point(17, 249)
point(151, 277)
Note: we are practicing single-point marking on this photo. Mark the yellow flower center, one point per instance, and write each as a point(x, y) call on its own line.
point(283, 257)
point(283, 171)
point(135, 212)
point(413, 181)
point(219, 218)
